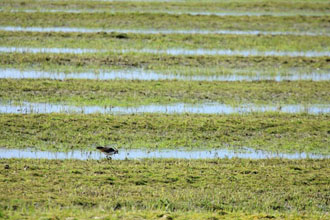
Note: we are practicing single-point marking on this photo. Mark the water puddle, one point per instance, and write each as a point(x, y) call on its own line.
point(174, 52)
point(155, 31)
point(244, 53)
point(177, 108)
point(141, 74)
point(193, 13)
point(132, 154)
point(48, 50)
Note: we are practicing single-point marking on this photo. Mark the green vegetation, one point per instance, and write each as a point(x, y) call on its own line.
point(134, 93)
point(152, 189)
point(165, 21)
point(272, 132)
point(113, 41)
point(166, 189)
point(82, 213)
point(302, 7)
point(184, 65)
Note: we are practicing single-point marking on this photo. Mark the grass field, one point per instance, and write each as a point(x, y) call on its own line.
point(167, 188)
point(165, 21)
point(199, 189)
point(185, 65)
point(158, 41)
point(303, 7)
point(273, 132)
point(135, 93)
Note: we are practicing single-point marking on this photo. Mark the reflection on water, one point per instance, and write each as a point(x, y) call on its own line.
point(152, 11)
point(177, 108)
point(141, 74)
point(155, 31)
point(143, 153)
point(174, 51)
point(245, 53)
point(48, 50)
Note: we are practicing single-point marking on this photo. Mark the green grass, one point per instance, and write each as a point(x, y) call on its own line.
point(266, 131)
point(166, 189)
point(82, 213)
point(165, 21)
point(211, 6)
point(113, 41)
point(184, 65)
point(248, 189)
point(134, 93)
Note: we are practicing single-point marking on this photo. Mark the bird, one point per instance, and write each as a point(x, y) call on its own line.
point(108, 151)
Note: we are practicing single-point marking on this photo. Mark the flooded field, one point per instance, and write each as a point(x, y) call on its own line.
point(219, 109)
point(174, 52)
point(179, 108)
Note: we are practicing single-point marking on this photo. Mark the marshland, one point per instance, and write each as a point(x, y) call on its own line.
point(219, 109)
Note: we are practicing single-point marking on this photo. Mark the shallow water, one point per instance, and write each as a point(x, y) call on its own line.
point(48, 50)
point(141, 74)
point(155, 31)
point(140, 154)
point(245, 53)
point(194, 13)
point(174, 52)
point(178, 108)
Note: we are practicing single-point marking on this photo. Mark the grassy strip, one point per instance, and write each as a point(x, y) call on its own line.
point(113, 41)
point(82, 213)
point(277, 188)
point(272, 132)
point(154, 61)
point(86, 214)
point(133, 93)
point(274, 6)
point(165, 21)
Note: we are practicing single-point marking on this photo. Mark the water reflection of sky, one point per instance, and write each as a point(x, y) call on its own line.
point(123, 154)
point(140, 74)
point(176, 108)
point(173, 51)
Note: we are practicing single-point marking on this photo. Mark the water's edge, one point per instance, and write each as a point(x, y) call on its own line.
point(176, 108)
point(131, 154)
point(140, 74)
point(171, 51)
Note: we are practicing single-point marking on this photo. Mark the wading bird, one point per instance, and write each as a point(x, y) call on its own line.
point(108, 151)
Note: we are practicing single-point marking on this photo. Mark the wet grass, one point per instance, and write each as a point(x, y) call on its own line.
point(82, 213)
point(266, 131)
point(211, 6)
point(185, 65)
point(165, 21)
point(112, 41)
point(166, 189)
point(247, 189)
point(135, 92)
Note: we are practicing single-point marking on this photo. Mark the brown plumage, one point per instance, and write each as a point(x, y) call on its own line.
point(108, 151)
